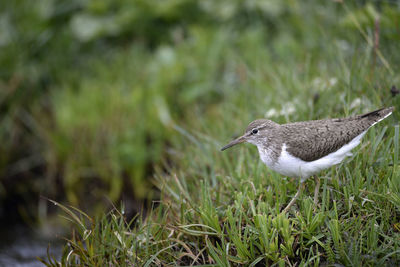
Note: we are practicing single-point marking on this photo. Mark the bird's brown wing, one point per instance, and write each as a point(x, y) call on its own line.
point(312, 140)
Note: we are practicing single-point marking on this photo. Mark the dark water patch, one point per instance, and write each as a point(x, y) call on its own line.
point(21, 245)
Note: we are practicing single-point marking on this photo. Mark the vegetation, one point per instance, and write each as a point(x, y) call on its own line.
point(136, 104)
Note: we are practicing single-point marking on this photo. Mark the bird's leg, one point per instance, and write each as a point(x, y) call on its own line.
point(316, 191)
point(301, 187)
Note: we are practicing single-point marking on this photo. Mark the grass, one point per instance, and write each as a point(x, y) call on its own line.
point(234, 218)
point(223, 208)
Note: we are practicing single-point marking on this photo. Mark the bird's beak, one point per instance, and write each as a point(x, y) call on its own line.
point(238, 140)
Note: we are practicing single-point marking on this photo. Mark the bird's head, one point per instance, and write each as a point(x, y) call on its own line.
point(255, 133)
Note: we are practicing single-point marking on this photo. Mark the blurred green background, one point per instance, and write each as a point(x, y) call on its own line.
point(95, 94)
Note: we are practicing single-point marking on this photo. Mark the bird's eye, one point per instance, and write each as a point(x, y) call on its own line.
point(254, 131)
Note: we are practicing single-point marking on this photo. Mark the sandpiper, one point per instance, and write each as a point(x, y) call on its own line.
point(302, 149)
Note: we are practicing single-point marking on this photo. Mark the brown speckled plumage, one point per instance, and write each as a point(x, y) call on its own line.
point(311, 140)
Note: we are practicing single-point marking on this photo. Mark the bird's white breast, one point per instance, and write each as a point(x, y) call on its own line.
point(288, 165)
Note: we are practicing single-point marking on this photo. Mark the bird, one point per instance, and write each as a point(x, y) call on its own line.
point(303, 149)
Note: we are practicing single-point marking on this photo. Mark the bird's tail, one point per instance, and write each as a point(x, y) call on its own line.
point(378, 115)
